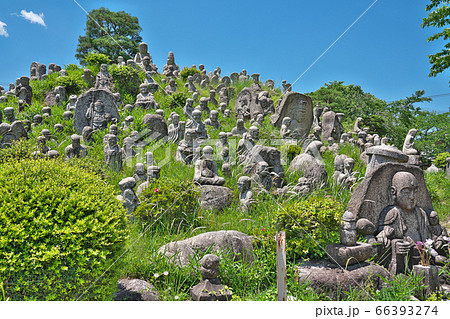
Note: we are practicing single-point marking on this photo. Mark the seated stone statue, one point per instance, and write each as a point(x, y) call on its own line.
point(206, 172)
point(176, 129)
point(75, 150)
point(285, 131)
point(339, 177)
point(171, 66)
point(402, 225)
point(190, 84)
point(239, 129)
point(103, 80)
point(147, 66)
point(153, 173)
point(197, 125)
point(97, 116)
point(140, 173)
point(408, 145)
point(248, 141)
point(145, 99)
point(213, 119)
point(171, 88)
point(266, 102)
point(128, 197)
point(203, 106)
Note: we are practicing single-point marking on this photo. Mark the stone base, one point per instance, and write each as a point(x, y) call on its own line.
point(414, 160)
point(349, 255)
point(326, 277)
point(210, 290)
point(215, 197)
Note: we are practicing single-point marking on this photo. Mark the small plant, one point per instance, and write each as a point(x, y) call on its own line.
point(186, 72)
point(440, 160)
point(96, 59)
point(126, 80)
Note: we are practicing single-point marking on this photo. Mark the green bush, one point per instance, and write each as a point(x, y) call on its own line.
point(310, 225)
point(169, 200)
point(96, 59)
point(186, 72)
point(61, 226)
point(440, 160)
point(73, 83)
point(126, 80)
point(293, 151)
point(178, 100)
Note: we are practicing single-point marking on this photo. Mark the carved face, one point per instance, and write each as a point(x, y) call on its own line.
point(197, 116)
point(112, 140)
point(104, 68)
point(240, 124)
point(143, 89)
point(404, 187)
point(176, 119)
point(214, 116)
point(113, 130)
point(98, 107)
point(254, 133)
point(76, 143)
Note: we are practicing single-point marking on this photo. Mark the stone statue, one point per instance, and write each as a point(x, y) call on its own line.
point(245, 192)
point(140, 173)
point(97, 116)
point(213, 119)
point(176, 129)
point(72, 102)
point(76, 149)
point(128, 197)
point(170, 67)
point(103, 80)
point(212, 98)
point(120, 61)
point(190, 84)
point(153, 173)
point(113, 153)
point(147, 66)
point(285, 131)
point(88, 78)
point(188, 108)
point(239, 129)
point(357, 127)
point(197, 125)
point(143, 52)
point(9, 114)
point(145, 99)
point(248, 141)
point(188, 150)
point(206, 172)
point(203, 106)
point(266, 102)
point(86, 134)
point(408, 145)
point(171, 88)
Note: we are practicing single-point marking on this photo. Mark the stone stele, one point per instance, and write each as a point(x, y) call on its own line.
point(85, 100)
point(299, 108)
point(247, 104)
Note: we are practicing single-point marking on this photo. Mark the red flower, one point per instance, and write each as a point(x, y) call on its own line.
point(263, 229)
point(156, 190)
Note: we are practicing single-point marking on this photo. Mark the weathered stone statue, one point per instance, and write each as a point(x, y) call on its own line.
point(206, 172)
point(171, 66)
point(76, 149)
point(9, 114)
point(213, 119)
point(143, 52)
point(145, 99)
point(339, 177)
point(88, 78)
point(190, 84)
point(245, 192)
point(113, 153)
point(266, 102)
point(212, 98)
point(103, 80)
point(24, 91)
point(72, 102)
point(248, 141)
point(140, 173)
point(120, 61)
point(188, 150)
point(197, 125)
point(285, 131)
point(128, 197)
point(86, 134)
point(357, 127)
point(176, 129)
point(239, 129)
point(147, 66)
point(264, 165)
point(408, 145)
point(172, 87)
point(97, 116)
point(153, 173)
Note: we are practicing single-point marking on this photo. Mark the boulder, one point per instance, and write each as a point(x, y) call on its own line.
point(215, 197)
point(135, 290)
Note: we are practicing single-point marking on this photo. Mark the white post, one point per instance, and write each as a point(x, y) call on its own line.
point(281, 265)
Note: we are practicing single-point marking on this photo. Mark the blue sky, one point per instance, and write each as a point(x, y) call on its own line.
point(385, 52)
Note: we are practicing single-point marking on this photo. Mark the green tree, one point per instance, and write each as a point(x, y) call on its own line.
point(110, 33)
point(439, 17)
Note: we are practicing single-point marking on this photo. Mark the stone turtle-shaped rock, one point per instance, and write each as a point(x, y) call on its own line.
point(223, 242)
point(135, 290)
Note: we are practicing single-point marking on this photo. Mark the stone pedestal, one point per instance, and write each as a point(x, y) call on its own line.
point(210, 290)
point(430, 278)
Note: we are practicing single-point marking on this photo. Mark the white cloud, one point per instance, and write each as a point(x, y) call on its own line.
point(3, 31)
point(33, 17)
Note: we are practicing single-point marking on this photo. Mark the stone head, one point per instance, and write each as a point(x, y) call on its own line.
point(47, 110)
point(112, 140)
point(223, 137)
point(46, 133)
point(113, 129)
point(212, 93)
point(189, 135)
point(73, 99)
point(189, 102)
point(240, 123)
point(223, 106)
point(172, 82)
point(117, 96)
point(41, 141)
point(76, 140)
point(160, 112)
point(153, 172)
point(67, 115)
point(143, 88)
point(152, 87)
point(201, 67)
point(87, 73)
point(244, 72)
point(9, 112)
point(27, 125)
point(170, 58)
point(139, 169)
point(57, 127)
point(197, 116)
point(87, 132)
point(176, 119)
point(195, 96)
point(25, 80)
point(143, 48)
point(190, 79)
point(98, 106)
point(254, 132)
point(214, 115)
point(120, 59)
point(434, 218)
point(260, 118)
point(349, 163)
point(244, 183)
point(412, 132)
point(340, 117)
point(104, 67)
point(37, 119)
point(146, 61)
point(330, 141)
point(208, 152)
point(403, 189)
point(203, 101)
point(226, 113)
point(4, 128)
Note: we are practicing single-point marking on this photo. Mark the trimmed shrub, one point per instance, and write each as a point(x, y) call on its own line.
point(96, 59)
point(310, 225)
point(186, 72)
point(126, 80)
point(440, 160)
point(61, 226)
point(168, 199)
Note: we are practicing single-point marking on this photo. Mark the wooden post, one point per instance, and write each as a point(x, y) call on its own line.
point(280, 238)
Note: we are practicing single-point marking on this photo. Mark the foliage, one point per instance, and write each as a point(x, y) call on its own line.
point(376, 124)
point(96, 59)
point(178, 100)
point(73, 83)
point(433, 133)
point(168, 199)
point(292, 151)
point(110, 33)
point(61, 227)
point(310, 225)
point(126, 80)
point(440, 160)
point(439, 188)
point(348, 99)
point(438, 17)
point(186, 72)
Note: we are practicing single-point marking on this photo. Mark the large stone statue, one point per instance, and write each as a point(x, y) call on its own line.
point(24, 91)
point(171, 66)
point(206, 172)
point(103, 80)
point(143, 52)
point(97, 116)
point(145, 99)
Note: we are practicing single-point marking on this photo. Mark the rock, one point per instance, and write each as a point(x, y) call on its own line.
point(135, 290)
point(299, 108)
point(222, 242)
point(215, 197)
point(312, 168)
point(328, 278)
point(349, 255)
